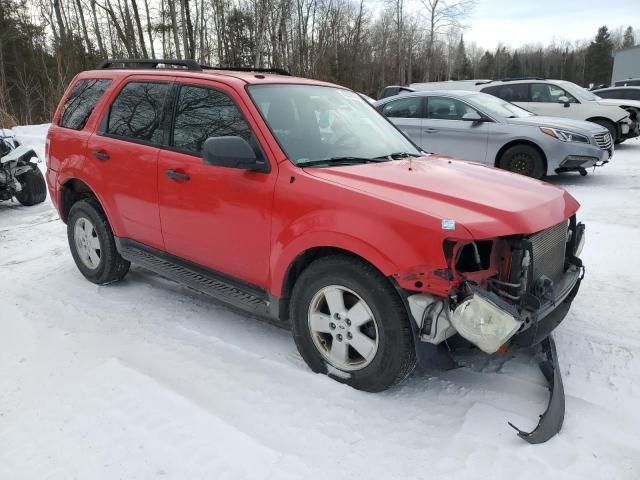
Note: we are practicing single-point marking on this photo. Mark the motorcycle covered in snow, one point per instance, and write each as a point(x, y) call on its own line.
point(20, 176)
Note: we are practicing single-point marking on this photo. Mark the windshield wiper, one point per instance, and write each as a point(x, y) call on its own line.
point(398, 155)
point(341, 161)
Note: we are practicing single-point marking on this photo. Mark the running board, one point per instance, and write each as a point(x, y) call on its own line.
point(221, 287)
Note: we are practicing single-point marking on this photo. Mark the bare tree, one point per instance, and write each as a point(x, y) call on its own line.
point(442, 15)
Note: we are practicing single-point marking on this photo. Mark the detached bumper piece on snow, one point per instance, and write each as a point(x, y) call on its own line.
point(551, 420)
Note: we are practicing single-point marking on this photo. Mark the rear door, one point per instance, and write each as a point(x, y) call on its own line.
point(125, 149)
point(446, 132)
point(214, 216)
point(406, 113)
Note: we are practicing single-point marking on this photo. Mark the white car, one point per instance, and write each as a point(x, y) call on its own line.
point(555, 98)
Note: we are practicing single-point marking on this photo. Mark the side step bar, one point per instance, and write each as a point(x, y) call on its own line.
point(225, 289)
point(552, 419)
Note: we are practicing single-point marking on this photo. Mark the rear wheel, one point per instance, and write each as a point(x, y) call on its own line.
point(34, 188)
point(523, 159)
point(348, 322)
point(93, 245)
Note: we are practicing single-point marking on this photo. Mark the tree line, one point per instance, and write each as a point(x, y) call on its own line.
point(44, 43)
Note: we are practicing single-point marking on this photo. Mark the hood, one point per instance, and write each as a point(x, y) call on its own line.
point(488, 202)
point(615, 102)
point(577, 126)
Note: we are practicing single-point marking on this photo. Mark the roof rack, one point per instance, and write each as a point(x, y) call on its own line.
point(148, 63)
point(188, 64)
point(513, 79)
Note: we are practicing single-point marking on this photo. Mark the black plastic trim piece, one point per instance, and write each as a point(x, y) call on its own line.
point(231, 291)
point(552, 419)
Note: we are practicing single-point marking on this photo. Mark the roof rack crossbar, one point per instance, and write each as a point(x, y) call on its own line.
point(513, 79)
point(279, 71)
point(148, 63)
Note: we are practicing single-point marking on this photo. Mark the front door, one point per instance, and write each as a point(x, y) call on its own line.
point(216, 217)
point(445, 130)
point(545, 100)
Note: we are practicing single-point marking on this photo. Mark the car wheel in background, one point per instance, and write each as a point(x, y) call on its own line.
point(93, 245)
point(523, 159)
point(34, 188)
point(348, 322)
point(613, 131)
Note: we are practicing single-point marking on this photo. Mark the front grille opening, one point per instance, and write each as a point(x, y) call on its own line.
point(466, 260)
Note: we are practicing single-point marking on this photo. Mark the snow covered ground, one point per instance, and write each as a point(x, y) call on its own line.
point(146, 379)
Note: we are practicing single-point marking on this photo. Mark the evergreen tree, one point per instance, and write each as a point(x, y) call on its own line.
point(514, 70)
point(628, 40)
point(486, 66)
point(599, 60)
point(462, 69)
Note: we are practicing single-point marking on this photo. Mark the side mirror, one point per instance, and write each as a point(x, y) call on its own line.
point(564, 100)
point(232, 152)
point(472, 117)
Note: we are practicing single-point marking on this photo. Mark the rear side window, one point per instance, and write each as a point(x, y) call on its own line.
point(203, 112)
point(80, 103)
point(137, 112)
point(409, 107)
point(518, 92)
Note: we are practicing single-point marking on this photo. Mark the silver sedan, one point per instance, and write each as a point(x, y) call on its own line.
point(483, 128)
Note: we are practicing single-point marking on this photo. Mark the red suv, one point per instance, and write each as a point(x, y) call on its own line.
point(296, 200)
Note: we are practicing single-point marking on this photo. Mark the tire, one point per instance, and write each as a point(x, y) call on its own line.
point(93, 245)
point(34, 188)
point(523, 159)
point(613, 131)
point(388, 328)
point(618, 142)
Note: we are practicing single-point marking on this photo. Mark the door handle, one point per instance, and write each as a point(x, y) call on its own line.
point(430, 130)
point(177, 176)
point(100, 154)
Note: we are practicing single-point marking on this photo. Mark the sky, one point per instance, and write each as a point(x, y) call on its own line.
point(518, 22)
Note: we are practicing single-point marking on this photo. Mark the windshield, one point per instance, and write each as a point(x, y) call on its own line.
point(314, 123)
point(578, 91)
point(497, 107)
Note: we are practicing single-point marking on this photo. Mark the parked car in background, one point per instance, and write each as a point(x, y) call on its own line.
point(555, 98)
point(628, 82)
point(619, 93)
point(483, 128)
point(20, 176)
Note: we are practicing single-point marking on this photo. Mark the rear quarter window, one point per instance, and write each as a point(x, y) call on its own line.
point(81, 101)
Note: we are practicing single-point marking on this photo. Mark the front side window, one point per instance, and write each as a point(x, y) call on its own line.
point(408, 107)
point(549, 93)
point(313, 123)
point(137, 112)
point(81, 101)
point(444, 108)
point(203, 112)
point(610, 94)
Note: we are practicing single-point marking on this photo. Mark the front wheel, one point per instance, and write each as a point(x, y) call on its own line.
point(348, 322)
point(523, 159)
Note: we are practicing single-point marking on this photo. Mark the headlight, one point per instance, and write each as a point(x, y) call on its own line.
point(565, 136)
point(485, 321)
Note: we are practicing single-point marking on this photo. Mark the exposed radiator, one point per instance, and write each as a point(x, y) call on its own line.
point(549, 251)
